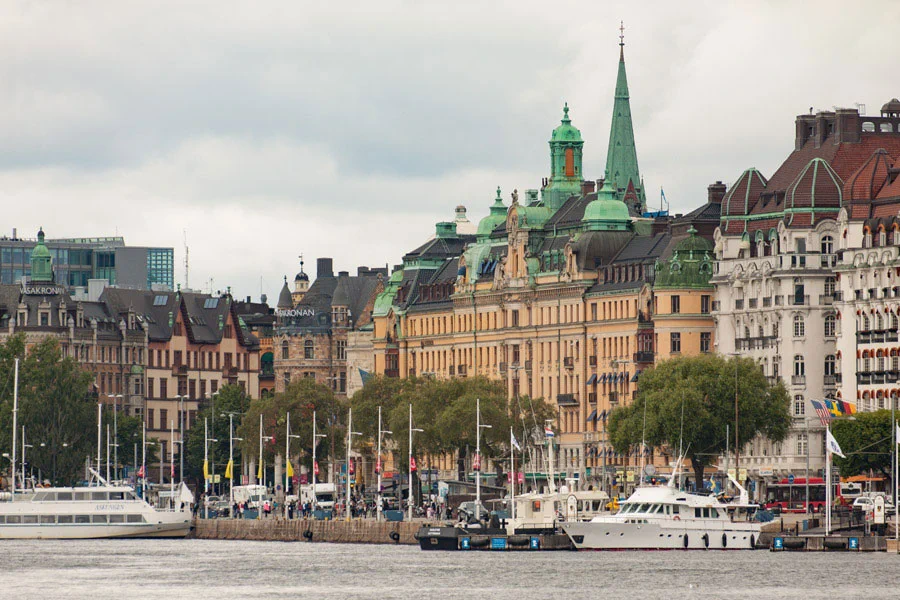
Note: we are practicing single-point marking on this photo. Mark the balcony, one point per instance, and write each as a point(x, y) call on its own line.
point(569, 362)
point(891, 377)
point(392, 372)
point(739, 304)
point(826, 299)
point(891, 336)
point(798, 300)
point(864, 378)
point(179, 370)
point(879, 377)
point(643, 357)
point(755, 343)
point(798, 379)
point(566, 400)
point(592, 361)
point(864, 337)
point(829, 381)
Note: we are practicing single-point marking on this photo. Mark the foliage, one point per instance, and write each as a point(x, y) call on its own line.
point(55, 408)
point(694, 397)
point(230, 399)
point(866, 442)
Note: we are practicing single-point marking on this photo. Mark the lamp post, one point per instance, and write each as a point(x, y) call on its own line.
point(212, 460)
point(315, 466)
point(231, 440)
point(181, 436)
point(477, 469)
point(350, 434)
point(24, 445)
point(287, 457)
point(379, 468)
point(409, 467)
point(206, 441)
point(737, 470)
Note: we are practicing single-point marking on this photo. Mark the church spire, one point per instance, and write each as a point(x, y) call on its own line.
point(621, 158)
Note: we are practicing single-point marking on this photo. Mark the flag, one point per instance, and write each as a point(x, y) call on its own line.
point(315, 467)
point(352, 468)
point(205, 470)
point(140, 472)
point(412, 464)
point(822, 411)
point(229, 470)
point(515, 442)
point(548, 432)
point(259, 472)
point(290, 469)
point(832, 444)
point(847, 408)
point(476, 463)
point(378, 466)
point(898, 434)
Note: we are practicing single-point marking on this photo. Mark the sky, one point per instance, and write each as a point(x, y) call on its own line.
point(261, 130)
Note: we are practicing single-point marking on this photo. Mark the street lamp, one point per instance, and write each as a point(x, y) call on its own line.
point(287, 457)
point(477, 465)
point(181, 434)
point(378, 466)
point(261, 472)
point(409, 487)
point(315, 465)
point(350, 434)
point(206, 441)
point(24, 445)
point(231, 440)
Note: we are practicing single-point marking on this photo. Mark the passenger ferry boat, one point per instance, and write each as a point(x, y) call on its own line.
point(99, 511)
point(665, 518)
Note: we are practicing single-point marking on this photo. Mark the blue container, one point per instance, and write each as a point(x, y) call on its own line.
point(393, 515)
point(321, 515)
point(251, 513)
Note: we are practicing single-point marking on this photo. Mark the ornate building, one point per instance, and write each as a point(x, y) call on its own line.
point(778, 247)
point(555, 294)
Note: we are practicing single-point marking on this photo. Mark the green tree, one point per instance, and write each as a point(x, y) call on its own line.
point(688, 402)
point(55, 409)
point(866, 442)
point(229, 400)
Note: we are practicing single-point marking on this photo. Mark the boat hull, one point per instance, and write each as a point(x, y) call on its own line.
point(659, 536)
point(164, 529)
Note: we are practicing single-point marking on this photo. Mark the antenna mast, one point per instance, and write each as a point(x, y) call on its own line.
point(186, 263)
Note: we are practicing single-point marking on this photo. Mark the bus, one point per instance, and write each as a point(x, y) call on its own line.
point(785, 496)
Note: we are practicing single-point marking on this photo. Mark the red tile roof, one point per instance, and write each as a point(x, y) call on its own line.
point(886, 210)
point(817, 185)
point(744, 193)
point(763, 225)
point(868, 179)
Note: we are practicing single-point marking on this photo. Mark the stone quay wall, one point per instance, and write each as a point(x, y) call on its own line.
point(359, 531)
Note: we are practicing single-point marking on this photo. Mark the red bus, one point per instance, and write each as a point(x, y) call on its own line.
point(791, 497)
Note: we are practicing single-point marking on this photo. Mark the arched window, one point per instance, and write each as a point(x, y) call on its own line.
point(799, 366)
point(799, 326)
point(309, 349)
point(879, 322)
point(882, 238)
point(746, 332)
point(775, 329)
point(761, 332)
point(865, 323)
point(830, 286)
point(880, 362)
point(827, 244)
point(893, 322)
point(830, 326)
point(867, 239)
point(285, 350)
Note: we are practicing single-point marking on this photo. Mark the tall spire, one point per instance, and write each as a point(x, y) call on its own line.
point(621, 157)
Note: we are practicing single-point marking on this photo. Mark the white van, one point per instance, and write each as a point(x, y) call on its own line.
point(322, 496)
point(253, 495)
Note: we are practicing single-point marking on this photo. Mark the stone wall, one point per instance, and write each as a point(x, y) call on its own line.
point(301, 530)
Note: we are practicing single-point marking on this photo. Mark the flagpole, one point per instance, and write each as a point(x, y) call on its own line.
point(828, 492)
point(512, 479)
point(287, 456)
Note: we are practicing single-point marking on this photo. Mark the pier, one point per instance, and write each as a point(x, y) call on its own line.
point(274, 529)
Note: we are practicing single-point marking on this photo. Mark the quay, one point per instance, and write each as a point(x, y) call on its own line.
point(277, 529)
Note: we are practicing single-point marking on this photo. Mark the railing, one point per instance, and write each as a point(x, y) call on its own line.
point(755, 343)
point(798, 379)
point(864, 337)
point(864, 378)
point(566, 399)
point(798, 300)
point(643, 357)
point(828, 380)
point(891, 336)
point(891, 377)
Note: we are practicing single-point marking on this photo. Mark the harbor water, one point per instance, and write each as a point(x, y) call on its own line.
point(192, 569)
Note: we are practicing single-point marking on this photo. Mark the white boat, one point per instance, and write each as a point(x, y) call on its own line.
point(665, 518)
point(538, 512)
point(100, 511)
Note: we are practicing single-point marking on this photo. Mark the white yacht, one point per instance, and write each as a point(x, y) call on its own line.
point(100, 511)
point(665, 518)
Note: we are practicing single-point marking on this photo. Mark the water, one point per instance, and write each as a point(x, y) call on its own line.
point(196, 569)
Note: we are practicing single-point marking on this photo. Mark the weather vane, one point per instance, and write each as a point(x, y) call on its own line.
point(621, 33)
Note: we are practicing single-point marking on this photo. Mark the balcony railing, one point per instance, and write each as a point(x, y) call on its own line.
point(798, 379)
point(864, 378)
point(643, 357)
point(829, 380)
point(566, 399)
point(798, 300)
point(755, 343)
point(569, 362)
point(826, 299)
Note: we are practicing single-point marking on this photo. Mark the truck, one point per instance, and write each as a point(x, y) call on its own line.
point(319, 494)
point(253, 495)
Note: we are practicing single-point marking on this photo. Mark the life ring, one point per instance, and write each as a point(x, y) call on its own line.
point(685, 540)
point(394, 536)
point(676, 518)
point(724, 540)
point(752, 542)
point(706, 540)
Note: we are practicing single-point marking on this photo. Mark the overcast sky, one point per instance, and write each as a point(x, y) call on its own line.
point(347, 129)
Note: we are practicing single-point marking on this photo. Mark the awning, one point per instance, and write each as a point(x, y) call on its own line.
point(635, 377)
point(602, 415)
point(621, 377)
point(592, 380)
point(592, 416)
point(603, 378)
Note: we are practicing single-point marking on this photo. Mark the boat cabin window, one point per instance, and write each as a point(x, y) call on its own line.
point(135, 518)
point(82, 518)
point(98, 519)
point(64, 496)
point(674, 509)
point(117, 495)
point(43, 497)
point(668, 509)
point(714, 513)
point(63, 519)
point(536, 505)
point(116, 518)
point(13, 519)
point(30, 519)
point(82, 496)
point(48, 519)
point(99, 496)
point(644, 507)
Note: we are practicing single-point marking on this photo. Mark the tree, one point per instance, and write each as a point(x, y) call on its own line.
point(866, 442)
point(55, 408)
point(230, 399)
point(689, 403)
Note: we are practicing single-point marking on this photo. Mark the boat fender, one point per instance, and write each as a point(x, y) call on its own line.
point(706, 540)
point(685, 540)
point(307, 535)
point(724, 540)
point(394, 536)
point(752, 541)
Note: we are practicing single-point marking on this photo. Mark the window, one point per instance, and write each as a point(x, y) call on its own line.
point(676, 304)
point(827, 245)
point(675, 342)
point(342, 349)
point(799, 326)
point(705, 341)
point(285, 350)
point(287, 378)
point(309, 349)
point(160, 300)
point(704, 304)
point(211, 303)
point(799, 406)
point(163, 388)
point(830, 326)
point(799, 366)
point(775, 330)
point(802, 444)
point(515, 318)
point(830, 365)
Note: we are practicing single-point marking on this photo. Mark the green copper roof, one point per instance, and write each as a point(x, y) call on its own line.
point(495, 218)
point(621, 156)
point(41, 261)
point(690, 265)
point(566, 132)
point(607, 212)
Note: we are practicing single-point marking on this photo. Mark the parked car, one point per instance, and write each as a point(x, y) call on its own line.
point(867, 504)
point(466, 511)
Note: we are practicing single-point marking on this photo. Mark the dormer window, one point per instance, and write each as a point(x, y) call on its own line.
point(882, 238)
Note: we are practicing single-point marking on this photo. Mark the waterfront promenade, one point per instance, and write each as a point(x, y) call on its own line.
point(275, 529)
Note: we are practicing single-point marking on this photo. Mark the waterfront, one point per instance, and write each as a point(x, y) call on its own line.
point(172, 569)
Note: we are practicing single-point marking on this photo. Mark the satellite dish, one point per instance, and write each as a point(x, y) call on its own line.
point(649, 470)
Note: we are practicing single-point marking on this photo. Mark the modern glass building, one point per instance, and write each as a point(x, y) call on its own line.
point(76, 260)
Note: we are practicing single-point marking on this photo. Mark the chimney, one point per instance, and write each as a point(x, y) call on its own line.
point(323, 267)
point(343, 273)
point(824, 123)
point(248, 299)
point(264, 299)
point(587, 187)
point(715, 192)
point(847, 126)
point(803, 125)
